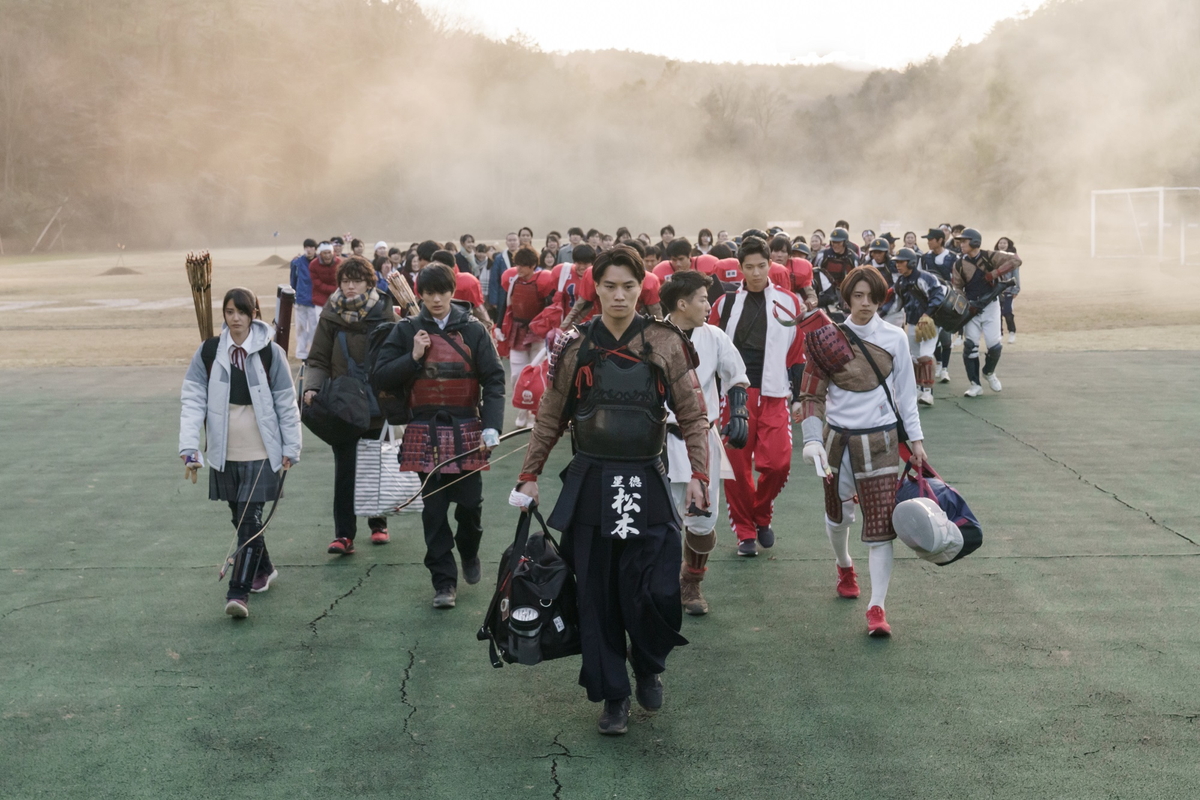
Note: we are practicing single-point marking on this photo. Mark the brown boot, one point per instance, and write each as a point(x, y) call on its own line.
point(689, 591)
point(691, 572)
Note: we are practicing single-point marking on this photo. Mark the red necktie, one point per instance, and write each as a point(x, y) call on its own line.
point(237, 357)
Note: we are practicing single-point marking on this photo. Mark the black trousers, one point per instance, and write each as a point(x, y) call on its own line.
point(250, 515)
point(345, 460)
point(941, 353)
point(626, 587)
point(439, 539)
point(1006, 311)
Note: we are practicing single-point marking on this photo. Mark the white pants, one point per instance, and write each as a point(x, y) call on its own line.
point(306, 328)
point(519, 359)
point(701, 526)
point(984, 326)
point(921, 349)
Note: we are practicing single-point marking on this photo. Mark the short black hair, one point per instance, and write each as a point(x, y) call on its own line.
point(679, 247)
point(667, 229)
point(681, 286)
point(356, 268)
point(463, 239)
point(336, 240)
point(583, 254)
point(750, 245)
point(444, 257)
point(523, 229)
point(721, 250)
point(640, 246)
point(437, 278)
point(426, 249)
point(781, 242)
point(244, 301)
point(574, 231)
point(958, 228)
point(355, 243)
point(620, 256)
point(310, 243)
point(841, 223)
point(623, 231)
point(394, 251)
point(592, 232)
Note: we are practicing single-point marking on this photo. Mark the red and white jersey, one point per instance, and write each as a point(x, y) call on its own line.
point(801, 271)
point(467, 288)
point(566, 281)
point(728, 270)
point(783, 349)
point(704, 264)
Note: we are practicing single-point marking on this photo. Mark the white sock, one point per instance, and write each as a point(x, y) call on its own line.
point(839, 537)
point(881, 572)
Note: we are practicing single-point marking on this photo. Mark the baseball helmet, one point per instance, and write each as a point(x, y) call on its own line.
point(839, 235)
point(879, 244)
point(973, 237)
point(907, 254)
point(802, 249)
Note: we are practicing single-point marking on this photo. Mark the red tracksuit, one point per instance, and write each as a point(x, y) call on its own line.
point(768, 450)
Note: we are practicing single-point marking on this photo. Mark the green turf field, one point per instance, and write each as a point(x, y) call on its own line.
point(1059, 661)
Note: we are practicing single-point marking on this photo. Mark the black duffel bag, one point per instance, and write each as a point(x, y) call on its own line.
point(342, 409)
point(534, 614)
point(956, 310)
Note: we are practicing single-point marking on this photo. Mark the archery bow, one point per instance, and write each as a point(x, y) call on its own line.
point(437, 468)
point(229, 559)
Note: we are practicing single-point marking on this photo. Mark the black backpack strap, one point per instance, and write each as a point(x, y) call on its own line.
point(862, 347)
point(208, 354)
point(727, 309)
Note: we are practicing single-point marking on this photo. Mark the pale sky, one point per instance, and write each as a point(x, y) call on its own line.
point(878, 33)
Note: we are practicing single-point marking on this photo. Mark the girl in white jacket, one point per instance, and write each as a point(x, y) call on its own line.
point(239, 389)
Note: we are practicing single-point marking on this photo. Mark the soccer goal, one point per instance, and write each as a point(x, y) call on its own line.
point(1160, 222)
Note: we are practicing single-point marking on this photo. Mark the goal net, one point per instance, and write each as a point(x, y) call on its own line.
point(1153, 222)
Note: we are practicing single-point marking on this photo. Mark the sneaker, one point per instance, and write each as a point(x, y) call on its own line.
point(444, 598)
point(1012, 337)
point(649, 691)
point(877, 624)
point(847, 584)
point(237, 609)
point(341, 546)
point(944, 376)
point(974, 391)
point(472, 570)
point(747, 547)
point(993, 382)
point(925, 398)
point(263, 582)
point(531, 420)
point(380, 536)
point(766, 536)
point(614, 720)
point(522, 419)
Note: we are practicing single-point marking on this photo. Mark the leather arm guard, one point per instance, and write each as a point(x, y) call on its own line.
point(738, 428)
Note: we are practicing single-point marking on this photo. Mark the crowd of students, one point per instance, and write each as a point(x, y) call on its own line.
point(678, 367)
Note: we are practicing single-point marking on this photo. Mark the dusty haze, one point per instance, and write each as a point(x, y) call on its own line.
point(177, 123)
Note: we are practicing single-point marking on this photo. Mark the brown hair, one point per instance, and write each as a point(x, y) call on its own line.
point(356, 268)
point(620, 256)
point(875, 284)
point(244, 301)
point(525, 257)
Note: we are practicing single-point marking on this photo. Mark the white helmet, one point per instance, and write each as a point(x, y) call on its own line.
point(922, 525)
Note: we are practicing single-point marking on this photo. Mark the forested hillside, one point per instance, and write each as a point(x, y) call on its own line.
point(199, 123)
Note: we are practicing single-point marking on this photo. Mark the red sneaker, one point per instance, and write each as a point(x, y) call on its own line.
point(877, 624)
point(341, 546)
point(380, 537)
point(847, 585)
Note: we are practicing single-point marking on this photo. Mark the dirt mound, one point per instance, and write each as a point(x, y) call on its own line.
point(120, 271)
point(272, 261)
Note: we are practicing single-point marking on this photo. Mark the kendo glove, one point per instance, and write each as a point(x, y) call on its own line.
point(737, 430)
point(990, 277)
point(926, 330)
point(814, 453)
